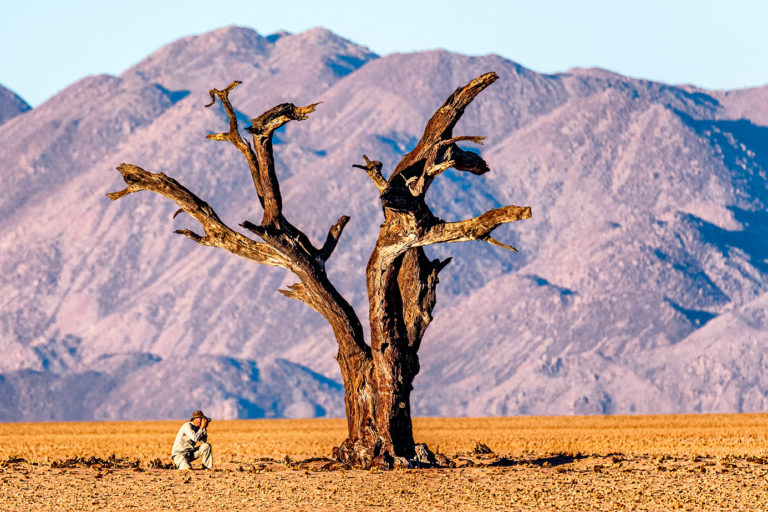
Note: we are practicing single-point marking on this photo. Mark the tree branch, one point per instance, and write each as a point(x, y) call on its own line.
point(373, 170)
point(281, 250)
point(299, 292)
point(440, 265)
point(261, 163)
point(476, 228)
point(194, 236)
point(277, 116)
point(439, 129)
point(257, 230)
point(216, 232)
point(294, 247)
point(493, 241)
point(233, 136)
point(333, 238)
point(223, 96)
point(262, 129)
point(452, 156)
point(468, 161)
point(437, 150)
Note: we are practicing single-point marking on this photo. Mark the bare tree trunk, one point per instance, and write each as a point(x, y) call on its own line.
point(401, 280)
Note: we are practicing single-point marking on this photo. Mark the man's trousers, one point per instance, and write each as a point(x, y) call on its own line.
point(182, 460)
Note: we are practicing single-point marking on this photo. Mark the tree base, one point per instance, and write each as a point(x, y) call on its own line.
point(362, 455)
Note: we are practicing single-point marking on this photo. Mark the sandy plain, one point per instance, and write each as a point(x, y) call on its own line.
point(700, 462)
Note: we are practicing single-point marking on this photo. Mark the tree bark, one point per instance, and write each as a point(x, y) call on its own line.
point(401, 280)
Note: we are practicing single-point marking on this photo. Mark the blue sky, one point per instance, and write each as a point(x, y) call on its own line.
point(47, 45)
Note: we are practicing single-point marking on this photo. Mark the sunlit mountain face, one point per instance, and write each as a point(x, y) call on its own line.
point(640, 285)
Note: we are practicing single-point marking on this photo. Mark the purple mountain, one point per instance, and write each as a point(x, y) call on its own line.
point(640, 285)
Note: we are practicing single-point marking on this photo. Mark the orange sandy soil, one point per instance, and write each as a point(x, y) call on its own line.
point(708, 462)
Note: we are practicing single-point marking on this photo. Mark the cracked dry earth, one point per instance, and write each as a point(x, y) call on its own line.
point(660, 463)
point(558, 482)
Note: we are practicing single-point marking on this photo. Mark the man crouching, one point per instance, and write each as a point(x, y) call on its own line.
point(190, 433)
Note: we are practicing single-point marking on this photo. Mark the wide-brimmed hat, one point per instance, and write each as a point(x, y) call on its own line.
point(199, 414)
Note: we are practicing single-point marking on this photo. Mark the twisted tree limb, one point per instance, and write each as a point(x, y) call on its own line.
point(233, 135)
point(476, 228)
point(262, 163)
point(217, 234)
point(440, 127)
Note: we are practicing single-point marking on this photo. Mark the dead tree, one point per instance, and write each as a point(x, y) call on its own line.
point(401, 279)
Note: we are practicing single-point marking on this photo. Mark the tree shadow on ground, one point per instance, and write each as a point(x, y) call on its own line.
point(551, 461)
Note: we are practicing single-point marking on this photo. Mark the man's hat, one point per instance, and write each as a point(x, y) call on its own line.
point(199, 414)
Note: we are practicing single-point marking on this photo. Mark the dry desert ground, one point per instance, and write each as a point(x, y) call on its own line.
point(698, 462)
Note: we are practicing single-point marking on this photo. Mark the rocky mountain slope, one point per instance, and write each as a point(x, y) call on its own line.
point(646, 246)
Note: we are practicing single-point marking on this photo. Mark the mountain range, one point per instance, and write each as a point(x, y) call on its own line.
point(640, 286)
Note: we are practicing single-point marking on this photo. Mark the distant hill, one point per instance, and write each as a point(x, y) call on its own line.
point(648, 238)
point(11, 104)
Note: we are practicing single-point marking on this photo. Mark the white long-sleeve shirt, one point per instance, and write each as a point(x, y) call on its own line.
point(187, 438)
